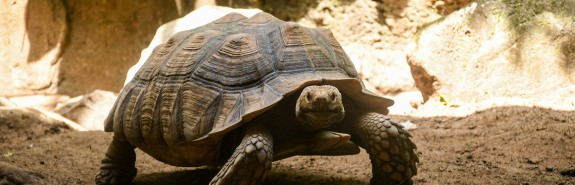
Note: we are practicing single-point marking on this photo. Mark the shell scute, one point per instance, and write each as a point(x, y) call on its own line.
point(343, 62)
point(152, 66)
point(131, 117)
point(239, 45)
point(231, 108)
point(328, 35)
point(294, 59)
point(259, 98)
point(119, 110)
point(185, 58)
point(236, 63)
point(294, 35)
point(320, 58)
point(196, 100)
point(148, 108)
point(169, 125)
point(146, 71)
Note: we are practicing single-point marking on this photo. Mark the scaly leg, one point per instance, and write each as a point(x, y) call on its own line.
point(251, 161)
point(118, 164)
point(391, 151)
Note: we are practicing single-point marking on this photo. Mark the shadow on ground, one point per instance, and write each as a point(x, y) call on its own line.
point(204, 176)
point(187, 177)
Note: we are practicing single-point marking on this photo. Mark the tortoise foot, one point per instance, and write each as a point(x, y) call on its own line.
point(115, 176)
point(118, 164)
point(391, 151)
point(251, 161)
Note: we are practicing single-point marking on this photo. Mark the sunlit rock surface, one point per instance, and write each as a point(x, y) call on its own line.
point(494, 49)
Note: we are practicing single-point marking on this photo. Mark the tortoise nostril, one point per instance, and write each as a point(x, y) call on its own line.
point(321, 98)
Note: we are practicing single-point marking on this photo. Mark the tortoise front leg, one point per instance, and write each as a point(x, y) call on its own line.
point(118, 164)
point(391, 151)
point(251, 161)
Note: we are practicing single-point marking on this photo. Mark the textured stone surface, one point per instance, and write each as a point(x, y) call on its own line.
point(497, 49)
point(29, 52)
point(74, 47)
point(89, 110)
point(384, 71)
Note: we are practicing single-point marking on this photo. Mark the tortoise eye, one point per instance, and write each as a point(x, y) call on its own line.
point(307, 97)
point(333, 97)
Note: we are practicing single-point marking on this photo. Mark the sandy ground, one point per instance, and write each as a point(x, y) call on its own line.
point(502, 145)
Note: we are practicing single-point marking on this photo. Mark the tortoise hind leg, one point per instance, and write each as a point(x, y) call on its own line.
point(251, 160)
point(391, 151)
point(118, 164)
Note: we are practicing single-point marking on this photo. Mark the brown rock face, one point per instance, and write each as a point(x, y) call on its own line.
point(496, 49)
point(74, 47)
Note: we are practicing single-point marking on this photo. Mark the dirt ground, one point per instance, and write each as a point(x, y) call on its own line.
point(501, 145)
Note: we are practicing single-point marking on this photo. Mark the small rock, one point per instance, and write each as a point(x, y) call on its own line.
point(17, 175)
point(534, 160)
point(408, 125)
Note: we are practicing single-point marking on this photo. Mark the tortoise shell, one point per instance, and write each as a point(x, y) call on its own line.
point(207, 81)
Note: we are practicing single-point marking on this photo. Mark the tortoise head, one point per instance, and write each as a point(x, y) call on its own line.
point(319, 107)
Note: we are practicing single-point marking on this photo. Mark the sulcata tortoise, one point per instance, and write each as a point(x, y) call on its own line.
point(241, 93)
